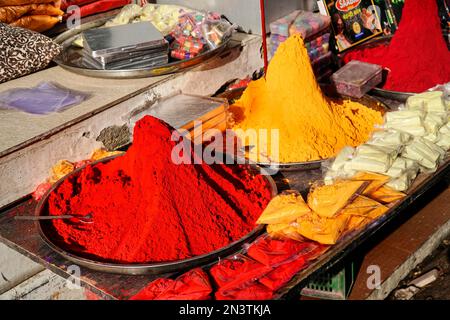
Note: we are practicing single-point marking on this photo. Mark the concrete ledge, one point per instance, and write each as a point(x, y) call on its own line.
point(15, 268)
point(44, 286)
point(406, 246)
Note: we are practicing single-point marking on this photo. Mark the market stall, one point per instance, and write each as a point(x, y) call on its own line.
point(147, 216)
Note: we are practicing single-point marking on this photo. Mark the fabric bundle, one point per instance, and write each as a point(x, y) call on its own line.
point(24, 51)
point(36, 15)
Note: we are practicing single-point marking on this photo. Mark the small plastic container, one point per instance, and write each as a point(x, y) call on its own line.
point(310, 25)
point(281, 26)
point(357, 78)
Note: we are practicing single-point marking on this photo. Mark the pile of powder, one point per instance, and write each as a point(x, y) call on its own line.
point(146, 208)
point(417, 56)
point(311, 127)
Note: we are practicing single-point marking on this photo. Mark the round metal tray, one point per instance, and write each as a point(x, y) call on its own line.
point(368, 101)
point(45, 228)
point(380, 92)
point(70, 58)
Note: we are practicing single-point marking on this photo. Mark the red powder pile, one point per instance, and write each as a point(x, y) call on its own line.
point(417, 56)
point(146, 208)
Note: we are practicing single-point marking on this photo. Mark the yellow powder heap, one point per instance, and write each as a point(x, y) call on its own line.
point(289, 99)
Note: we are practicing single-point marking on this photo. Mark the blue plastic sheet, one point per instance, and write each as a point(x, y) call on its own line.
point(45, 98)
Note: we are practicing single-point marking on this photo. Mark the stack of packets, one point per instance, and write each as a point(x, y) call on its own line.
point(331, 210)
point(412, 140)
point(163, 17)
point(256, 273)
point(63, 167)
point(314, 28)
point(197, 31)
point(36, 15)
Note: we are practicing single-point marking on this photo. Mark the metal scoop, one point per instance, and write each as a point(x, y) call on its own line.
point(83, 219)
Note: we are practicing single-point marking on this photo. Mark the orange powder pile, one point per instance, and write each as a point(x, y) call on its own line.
point(311, 126)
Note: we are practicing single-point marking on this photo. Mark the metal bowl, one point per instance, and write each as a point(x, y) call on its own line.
point(366, 100)
point(70, 58)
point(45, 228)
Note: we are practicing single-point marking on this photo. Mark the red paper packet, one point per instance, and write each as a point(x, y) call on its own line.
point(192, 285)
point(235, 272)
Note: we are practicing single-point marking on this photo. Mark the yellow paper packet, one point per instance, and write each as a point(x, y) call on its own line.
point(328, 200)
point(284, 208)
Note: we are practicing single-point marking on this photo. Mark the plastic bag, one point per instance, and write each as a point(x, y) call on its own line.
point(45, 98)
point(192, 285)
point(284, 208)
point(287, 257)
point(275, 252)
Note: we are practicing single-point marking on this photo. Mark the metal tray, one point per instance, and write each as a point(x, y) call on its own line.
point(383, 93)
point(366, 100)
point(70, 58)
point(45, 227)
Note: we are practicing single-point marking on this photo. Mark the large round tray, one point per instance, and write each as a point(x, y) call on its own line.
point(45, 229)
point(70, 58)
point(366, 100)
point(383, 93)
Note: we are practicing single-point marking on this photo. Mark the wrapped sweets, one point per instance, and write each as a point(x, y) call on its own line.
point(391, 138)
point(409, 121)
point(444, 137)
point(429, 101)
point(369, 160)
point(425, 153)
point(403, 182)
point(337, 166)
point(163, 17)
point(126, 15)
point(380, 153)
point(402, 165)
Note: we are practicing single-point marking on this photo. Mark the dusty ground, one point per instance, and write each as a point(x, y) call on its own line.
point(439, 289)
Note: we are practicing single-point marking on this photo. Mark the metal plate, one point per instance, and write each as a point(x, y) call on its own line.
point(388, 94)
point(45, 228)
point(367, 100)
point(70, 58)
